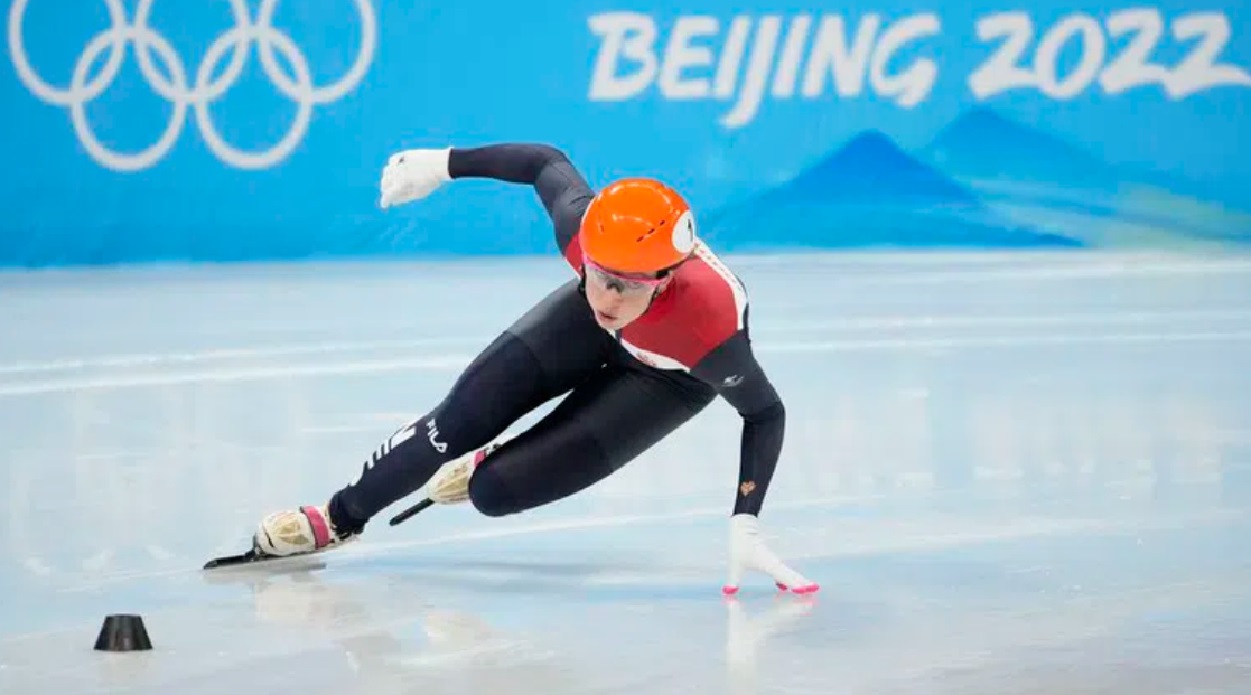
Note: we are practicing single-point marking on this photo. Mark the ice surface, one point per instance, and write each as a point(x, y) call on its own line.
point(1012, 474)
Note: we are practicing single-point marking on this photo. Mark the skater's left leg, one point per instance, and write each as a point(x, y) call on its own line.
point(548, 351)
point(545, 353)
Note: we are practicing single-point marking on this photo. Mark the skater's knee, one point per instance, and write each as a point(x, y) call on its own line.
point(490, 495)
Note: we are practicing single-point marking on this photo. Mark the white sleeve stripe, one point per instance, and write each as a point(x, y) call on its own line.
point(740, 293)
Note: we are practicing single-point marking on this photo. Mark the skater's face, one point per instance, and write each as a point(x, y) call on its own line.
point(617, 299)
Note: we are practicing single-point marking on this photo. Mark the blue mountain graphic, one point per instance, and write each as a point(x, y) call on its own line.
point(872, 167)
point(983, 144)
point(869, 193)
point(1042, 181)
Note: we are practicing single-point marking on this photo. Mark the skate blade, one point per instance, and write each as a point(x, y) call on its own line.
point(412, 511)
point(255, 556)
point(294, 563)
point(247, 558)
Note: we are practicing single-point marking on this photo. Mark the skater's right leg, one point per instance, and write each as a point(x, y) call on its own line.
point(550, 350)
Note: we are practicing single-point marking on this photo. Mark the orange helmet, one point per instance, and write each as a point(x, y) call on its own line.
point(638, 225)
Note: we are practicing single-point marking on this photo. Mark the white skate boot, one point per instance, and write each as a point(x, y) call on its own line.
point(450, 484)
point(297, 532)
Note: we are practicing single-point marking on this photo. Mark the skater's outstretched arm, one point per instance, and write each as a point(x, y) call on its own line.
point(733, 370)
point(562, 189)
point(565, 194)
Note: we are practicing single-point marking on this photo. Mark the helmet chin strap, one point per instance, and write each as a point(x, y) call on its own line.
point(655, 293)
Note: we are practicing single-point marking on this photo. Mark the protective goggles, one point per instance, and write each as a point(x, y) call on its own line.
point(624, 284)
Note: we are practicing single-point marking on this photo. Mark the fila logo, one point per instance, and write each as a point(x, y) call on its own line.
point(432, 433)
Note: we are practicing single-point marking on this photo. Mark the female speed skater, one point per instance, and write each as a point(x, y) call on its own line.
point(650, 330)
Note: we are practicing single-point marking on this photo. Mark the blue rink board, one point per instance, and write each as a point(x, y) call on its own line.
point(244, 130)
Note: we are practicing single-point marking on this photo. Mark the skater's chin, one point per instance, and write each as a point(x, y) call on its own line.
point(607, 320)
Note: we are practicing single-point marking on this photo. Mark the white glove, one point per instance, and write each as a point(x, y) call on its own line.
point(413, 174)
point(749, 552)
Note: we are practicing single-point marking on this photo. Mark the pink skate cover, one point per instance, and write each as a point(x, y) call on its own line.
point(321, 528)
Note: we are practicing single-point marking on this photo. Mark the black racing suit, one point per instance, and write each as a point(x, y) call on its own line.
point(615, 406)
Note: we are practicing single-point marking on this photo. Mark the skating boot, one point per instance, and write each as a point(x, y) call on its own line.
point(450, 484)
point(297, 532)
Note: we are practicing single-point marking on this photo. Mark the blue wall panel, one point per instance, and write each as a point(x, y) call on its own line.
point(233, 130)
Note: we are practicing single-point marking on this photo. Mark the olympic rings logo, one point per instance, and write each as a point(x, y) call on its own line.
point(204, 91)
